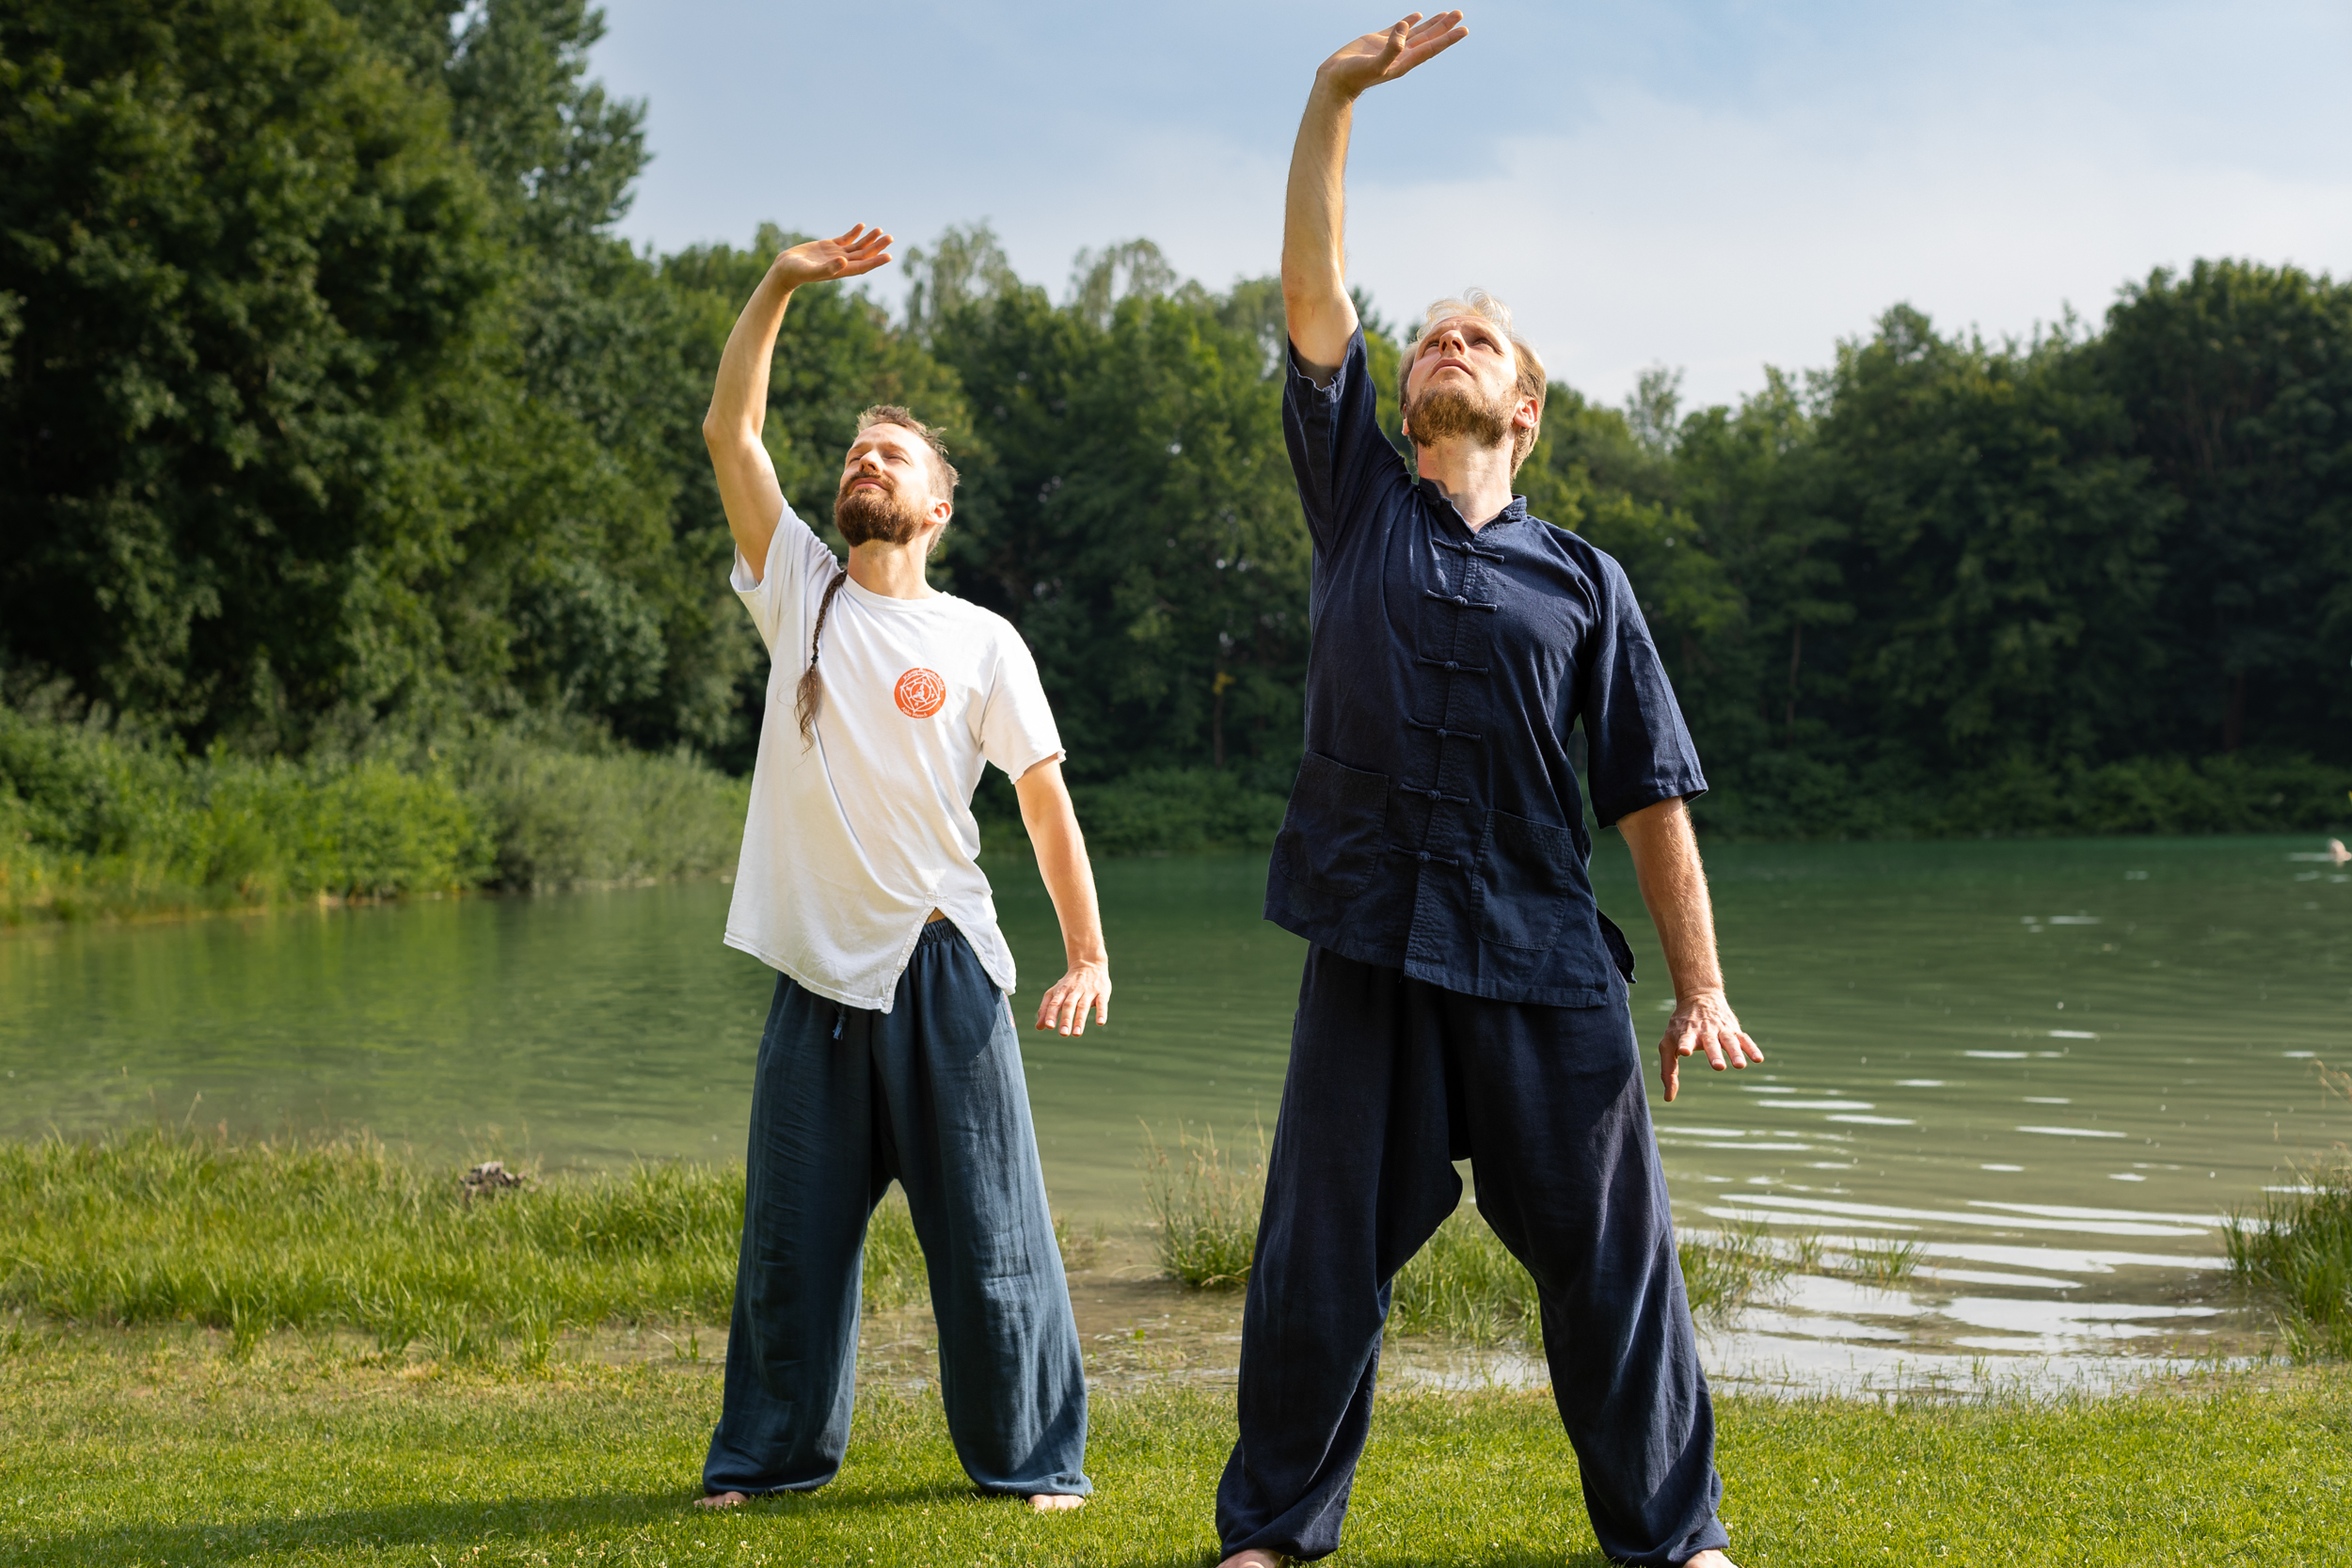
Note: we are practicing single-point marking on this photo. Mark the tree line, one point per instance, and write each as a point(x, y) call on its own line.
point(336, 420)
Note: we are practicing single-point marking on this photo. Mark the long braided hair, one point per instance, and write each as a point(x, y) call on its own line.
point(809, 698)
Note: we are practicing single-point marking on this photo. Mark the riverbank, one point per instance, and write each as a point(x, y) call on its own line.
point(163, 1445)
point(250, 1236)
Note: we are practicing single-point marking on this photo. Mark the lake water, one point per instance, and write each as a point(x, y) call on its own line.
point(2054, 1066)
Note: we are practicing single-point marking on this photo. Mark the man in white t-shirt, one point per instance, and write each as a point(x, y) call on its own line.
point(889, 1051)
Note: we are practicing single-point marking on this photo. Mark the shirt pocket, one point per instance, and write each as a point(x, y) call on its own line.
point(1331, 835)
point(1528, 874)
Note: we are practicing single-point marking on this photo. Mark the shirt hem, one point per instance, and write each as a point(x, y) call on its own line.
point(1603, 995)
point(821, 987)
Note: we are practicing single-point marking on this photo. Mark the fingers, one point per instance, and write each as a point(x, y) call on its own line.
point(1669, 1067)
point(1065, 1007)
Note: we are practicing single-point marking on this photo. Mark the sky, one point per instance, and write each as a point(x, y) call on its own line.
point(1714, 187)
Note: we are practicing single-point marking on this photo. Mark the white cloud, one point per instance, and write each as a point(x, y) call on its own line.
point(1712, 186)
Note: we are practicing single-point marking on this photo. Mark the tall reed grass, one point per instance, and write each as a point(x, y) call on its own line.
point(252, 1236)
point(2297, 1249)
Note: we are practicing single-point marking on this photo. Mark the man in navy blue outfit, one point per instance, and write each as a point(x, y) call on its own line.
point(1464, 997)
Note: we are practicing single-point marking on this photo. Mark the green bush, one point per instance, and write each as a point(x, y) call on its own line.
point(559, 818)
point(1181, 809)
point(97, 821)
point(1784, 795)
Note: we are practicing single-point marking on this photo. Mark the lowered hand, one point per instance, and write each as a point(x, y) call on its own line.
point(1086, 985)
point(1703, 1022)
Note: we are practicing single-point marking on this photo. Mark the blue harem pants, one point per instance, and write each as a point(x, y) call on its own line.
point(843, 1101)
point(1390, 1081)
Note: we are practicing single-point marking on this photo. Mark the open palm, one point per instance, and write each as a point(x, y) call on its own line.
point(849, 255)
point(1384, 57)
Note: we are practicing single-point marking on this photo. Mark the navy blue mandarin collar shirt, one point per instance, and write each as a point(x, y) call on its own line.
point(1436, 825)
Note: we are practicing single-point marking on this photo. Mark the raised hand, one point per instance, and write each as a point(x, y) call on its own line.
point(1384, 57)
point(1703, 1022)
point(851, 255)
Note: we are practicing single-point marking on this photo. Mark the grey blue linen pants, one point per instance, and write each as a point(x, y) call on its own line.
point(1390, 1080)
point(843, 1101)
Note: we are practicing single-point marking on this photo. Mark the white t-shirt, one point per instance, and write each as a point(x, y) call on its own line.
point(853, 840)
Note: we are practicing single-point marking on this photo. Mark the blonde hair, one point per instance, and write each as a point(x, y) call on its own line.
point(1479, 303)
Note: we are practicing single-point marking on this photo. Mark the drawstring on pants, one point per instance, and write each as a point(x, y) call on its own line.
point(840, 1017)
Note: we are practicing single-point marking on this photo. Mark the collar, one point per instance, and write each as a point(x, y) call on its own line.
point(1442, 504)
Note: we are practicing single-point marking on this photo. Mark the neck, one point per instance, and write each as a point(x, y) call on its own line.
point(1476, 479)
point(894, 571)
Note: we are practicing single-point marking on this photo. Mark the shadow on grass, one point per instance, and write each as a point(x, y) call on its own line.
point(553, 1522)
point(549, 1520)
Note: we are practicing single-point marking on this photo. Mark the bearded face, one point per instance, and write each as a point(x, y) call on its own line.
point(875, 512)
point(1452, 409)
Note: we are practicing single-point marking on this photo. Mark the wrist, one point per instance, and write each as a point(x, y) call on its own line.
point(1330, 88)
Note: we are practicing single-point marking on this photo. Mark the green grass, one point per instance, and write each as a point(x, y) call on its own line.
point(1201, 1201)
point(157, 1447)
point(250, 1236)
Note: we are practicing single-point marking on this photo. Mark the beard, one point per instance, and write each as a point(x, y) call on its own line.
point(1445, 413)
point(865, 515)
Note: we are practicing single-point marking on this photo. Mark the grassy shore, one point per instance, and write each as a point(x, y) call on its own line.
point(254, 1235)
point(156, 1447)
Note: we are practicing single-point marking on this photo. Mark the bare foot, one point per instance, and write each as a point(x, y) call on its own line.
point(1710, 1559)
point(1055, 1502)
point(1255, 1557)
point(721, 1500)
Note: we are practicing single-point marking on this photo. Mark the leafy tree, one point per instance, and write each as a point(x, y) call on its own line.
point(1140, 522)
point(2237, 379)
point(2001, 549)
point(256, 270)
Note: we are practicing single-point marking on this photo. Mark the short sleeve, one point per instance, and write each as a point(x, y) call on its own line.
point(799, 566)
point(1639, 750)
point(1338, 450)
point(1017, 726)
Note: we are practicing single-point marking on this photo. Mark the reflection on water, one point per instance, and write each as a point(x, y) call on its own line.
point(2053, 1067)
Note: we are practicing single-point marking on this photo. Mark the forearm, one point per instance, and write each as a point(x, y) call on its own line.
point(1068, 875)
point(748, 489)
point(1674, 885)
point(739, 401)
point(1315, 280)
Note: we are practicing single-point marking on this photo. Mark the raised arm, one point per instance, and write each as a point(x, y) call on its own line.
point(1315, 274)
point(739, 403)
point(1674, 885)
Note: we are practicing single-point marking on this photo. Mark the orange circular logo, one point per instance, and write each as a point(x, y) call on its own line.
point(920, 694)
